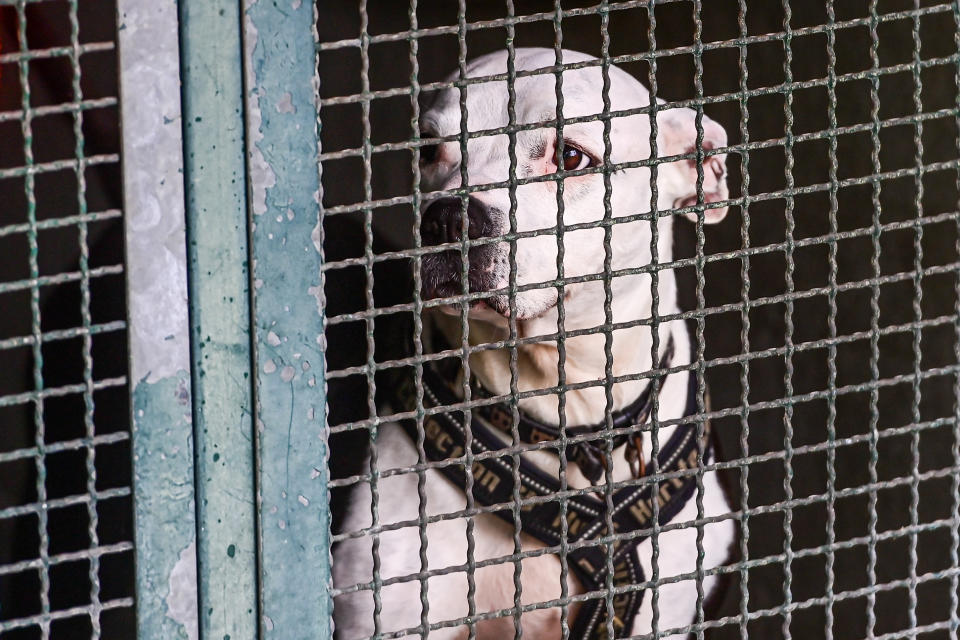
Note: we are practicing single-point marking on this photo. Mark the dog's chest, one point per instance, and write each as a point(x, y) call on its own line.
point(492, 546)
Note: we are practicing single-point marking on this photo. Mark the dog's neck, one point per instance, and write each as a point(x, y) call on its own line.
point(586, 357)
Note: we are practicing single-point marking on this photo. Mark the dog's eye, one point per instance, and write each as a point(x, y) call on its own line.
point(428, 153)
point(574, 159)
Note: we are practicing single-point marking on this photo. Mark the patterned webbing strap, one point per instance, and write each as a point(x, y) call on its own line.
point(588, 453)
point(445, 438)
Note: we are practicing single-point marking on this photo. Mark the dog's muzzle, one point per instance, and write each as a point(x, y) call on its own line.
point(442, 223)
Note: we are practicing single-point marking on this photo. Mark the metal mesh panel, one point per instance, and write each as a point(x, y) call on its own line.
point(65, 512)
point(824, 309)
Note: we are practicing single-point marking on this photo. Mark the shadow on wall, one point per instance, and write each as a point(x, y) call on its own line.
point(769, 274)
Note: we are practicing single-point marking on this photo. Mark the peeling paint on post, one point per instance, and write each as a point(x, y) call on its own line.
point(164, 499)
point(193, 395)
point(283, 147)
point(165, 525)
point(217, 249)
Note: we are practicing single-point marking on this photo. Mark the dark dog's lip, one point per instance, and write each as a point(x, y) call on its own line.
point(476, 308)
point(442, 277)
point(708, 198)
point(498, 304)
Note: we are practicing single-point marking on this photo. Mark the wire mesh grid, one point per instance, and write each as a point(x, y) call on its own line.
point(824, 310)
point(65, 513)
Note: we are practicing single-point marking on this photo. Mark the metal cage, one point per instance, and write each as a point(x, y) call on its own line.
point(200, 363)
point(66, 536)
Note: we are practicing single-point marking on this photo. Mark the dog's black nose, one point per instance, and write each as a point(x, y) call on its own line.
point(442, 221)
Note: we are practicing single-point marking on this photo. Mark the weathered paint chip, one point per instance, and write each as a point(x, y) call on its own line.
point(285, 104)
point(262, 176)
point(182, 598)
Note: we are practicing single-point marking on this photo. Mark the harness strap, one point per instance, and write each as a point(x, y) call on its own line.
point(589, 454)
point(445, 438)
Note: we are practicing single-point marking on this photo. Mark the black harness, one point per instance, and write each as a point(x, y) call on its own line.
point(445, 438)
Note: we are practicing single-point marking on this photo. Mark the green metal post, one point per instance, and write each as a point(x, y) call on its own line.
point(283, 147)
point(217, 249)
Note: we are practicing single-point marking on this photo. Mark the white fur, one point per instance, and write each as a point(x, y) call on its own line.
point(536, 314)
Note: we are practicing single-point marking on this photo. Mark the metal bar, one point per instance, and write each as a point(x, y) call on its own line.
point(370, 345)
point(62, 221)
point(917, 333)
point(93, 517)
point(744, 440)
point(700, 341)
point(53, 52)
point(92, 552)
point(217, 250)
point(34, 168)
point(67, 107)
point(40, 463)
point(37, 281)
point(955, 478)
point(64, 445)
point(561, 340)
point(63, 334)
point(514, 353)
point(608, 343)
point(163, 466)
point(62, 614)
point(52, 392)
point(789, 328)
point(874, 321)
point(418, 341)
point(464, 337)
point(655, 315)
point(56, 503)
point(282, 150)
point(829, 577)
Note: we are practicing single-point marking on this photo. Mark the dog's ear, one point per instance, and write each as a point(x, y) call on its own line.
point(677, 135)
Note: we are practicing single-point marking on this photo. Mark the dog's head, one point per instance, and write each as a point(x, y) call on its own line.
point(587, 200)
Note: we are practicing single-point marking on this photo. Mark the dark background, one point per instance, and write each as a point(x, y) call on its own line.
point(50, 82)
point(389, 68)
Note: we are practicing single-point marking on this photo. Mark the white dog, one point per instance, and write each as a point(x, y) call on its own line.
point(444, 582)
